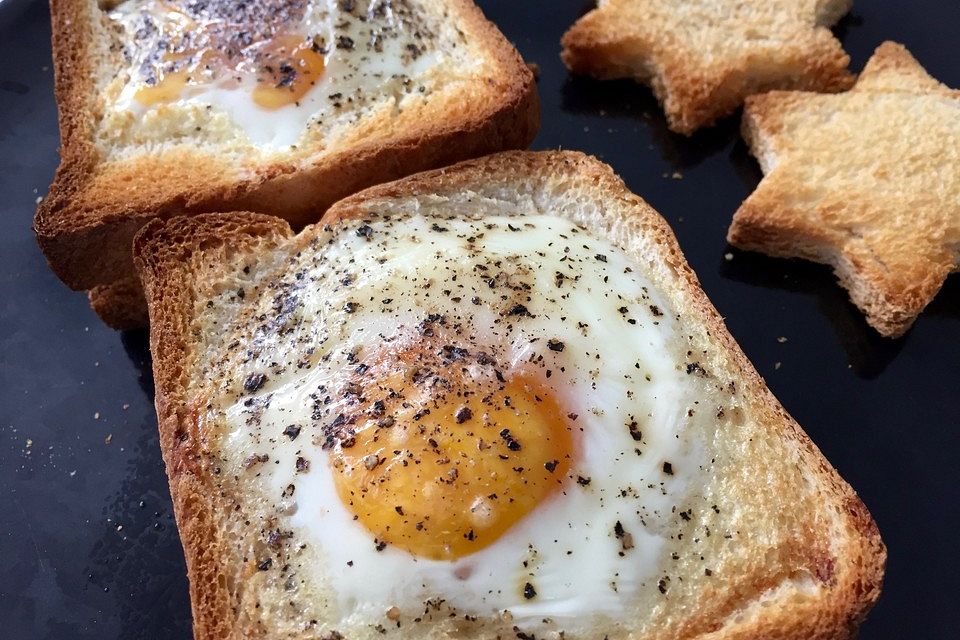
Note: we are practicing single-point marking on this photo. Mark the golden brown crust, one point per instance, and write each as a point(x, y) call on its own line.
point(165, 253)
point(700, 62)
point(880, 205)
point(847, 567)
point(120, 304)
point(86, 224)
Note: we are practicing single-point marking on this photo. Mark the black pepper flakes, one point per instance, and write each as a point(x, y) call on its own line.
point(668, 468)
point(254, 382)
point(510, 441)
point(626, 539)
point(303, 465)
point(292, 431)
point(551, 466)
point(519, 310)
point(529, 592)
point(463, 414)
point(265, 564)
point(555, 345)
point(694, 368)
point(254, 459)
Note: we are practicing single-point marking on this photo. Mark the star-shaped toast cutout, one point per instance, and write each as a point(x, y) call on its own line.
point(867, 181)
point(702, 58)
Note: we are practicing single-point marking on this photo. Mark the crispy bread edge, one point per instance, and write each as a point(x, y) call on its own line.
point(766, 224)
point(860, 558)
point(86, 251)
point(162, 251)
point(596, 46)
point(856, 570)
point(120, 304)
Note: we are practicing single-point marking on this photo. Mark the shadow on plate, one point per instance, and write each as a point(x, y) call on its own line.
point(137, 345)
point(138, 559)
point(868, 352)
point(845, 24)
point(629, 99)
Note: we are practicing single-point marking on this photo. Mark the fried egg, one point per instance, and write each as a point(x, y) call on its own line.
point(271, 68)
point(490, 416)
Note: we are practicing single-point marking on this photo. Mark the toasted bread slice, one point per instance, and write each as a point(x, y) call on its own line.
point(703, 57)
point(761, 538)
point(329, 98)
point(866, 181)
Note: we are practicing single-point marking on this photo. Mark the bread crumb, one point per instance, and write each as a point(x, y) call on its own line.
point(125, 406)
point(39, 200)
point(108, 439)
point(728, 256)
point(534, 69)
point(96, 415)
point(782, 339)
point(776, 365)
point(676, 175)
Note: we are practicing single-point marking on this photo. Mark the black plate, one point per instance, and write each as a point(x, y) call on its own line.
point(88, 547)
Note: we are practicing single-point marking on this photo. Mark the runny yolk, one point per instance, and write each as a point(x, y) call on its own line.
point(286, 67)
point(443, 467)
point(166, 90)
point(296, 69)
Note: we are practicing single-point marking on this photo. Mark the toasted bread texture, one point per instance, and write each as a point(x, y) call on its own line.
point(866, 181)
point(703, 57)
point(406, 85)
point(770, 543)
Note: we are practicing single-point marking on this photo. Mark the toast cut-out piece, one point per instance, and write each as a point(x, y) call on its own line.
point(867, 182)
point(703, 57)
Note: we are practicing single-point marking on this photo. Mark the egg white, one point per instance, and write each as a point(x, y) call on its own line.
point(350, 72)
point(622, 365)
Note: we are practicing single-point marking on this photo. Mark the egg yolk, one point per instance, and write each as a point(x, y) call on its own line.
point(443, 463)
point(286, 66)
point(296, 70)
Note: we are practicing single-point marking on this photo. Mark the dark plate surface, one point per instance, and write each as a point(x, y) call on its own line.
point(88, 547)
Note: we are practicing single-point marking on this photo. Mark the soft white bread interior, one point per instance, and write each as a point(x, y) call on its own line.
point(389, 87)
point(761, 539)
point(703, 57)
